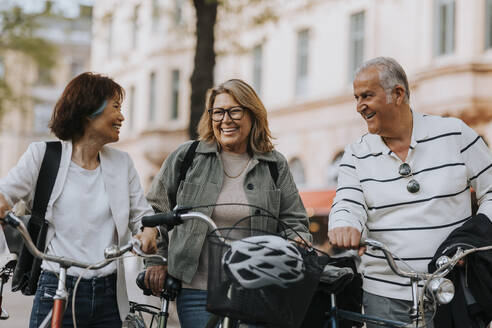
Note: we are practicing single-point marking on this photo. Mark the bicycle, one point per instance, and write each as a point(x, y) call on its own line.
point(7, 265)
point(160, 315)
point(436, 291)
point(225, 287)
point(60, 298)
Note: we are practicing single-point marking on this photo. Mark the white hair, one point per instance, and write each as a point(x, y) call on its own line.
point(391, 74)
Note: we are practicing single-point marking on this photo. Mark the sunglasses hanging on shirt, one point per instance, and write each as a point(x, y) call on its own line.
point(406, 171)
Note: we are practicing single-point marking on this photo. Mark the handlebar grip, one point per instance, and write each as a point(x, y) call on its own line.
point(170, 219)
point(171, 288)
point(141, 283)
point(12, 220)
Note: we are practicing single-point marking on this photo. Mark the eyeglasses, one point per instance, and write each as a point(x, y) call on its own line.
point(235, 113)
point(406, 171)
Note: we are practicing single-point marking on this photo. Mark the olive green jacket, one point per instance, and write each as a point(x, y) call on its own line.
point(202, 186)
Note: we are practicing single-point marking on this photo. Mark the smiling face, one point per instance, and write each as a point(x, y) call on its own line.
point(372, 103)
point(106, 126)
point(232, 135)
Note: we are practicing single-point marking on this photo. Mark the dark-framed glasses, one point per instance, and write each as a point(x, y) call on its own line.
point(406, 171)
point(235, 113)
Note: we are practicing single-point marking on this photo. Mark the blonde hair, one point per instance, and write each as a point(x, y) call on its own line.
point(260, 138)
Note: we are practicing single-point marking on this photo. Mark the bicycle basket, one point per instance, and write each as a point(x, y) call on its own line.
point(261, 279)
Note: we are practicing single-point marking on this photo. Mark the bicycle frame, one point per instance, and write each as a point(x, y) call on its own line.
point(61, 296)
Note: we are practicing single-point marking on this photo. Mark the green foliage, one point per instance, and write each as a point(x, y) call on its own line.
point(18, 36)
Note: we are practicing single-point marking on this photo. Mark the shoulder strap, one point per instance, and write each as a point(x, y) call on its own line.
point(272, 166)
point(190, 154)
point(46, 178)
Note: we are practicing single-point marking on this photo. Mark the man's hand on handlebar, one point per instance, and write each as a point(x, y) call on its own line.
point(155, 277)
point(346, 238)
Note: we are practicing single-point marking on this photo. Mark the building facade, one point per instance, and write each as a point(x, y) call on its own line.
point(301, 63)
point(39, 87)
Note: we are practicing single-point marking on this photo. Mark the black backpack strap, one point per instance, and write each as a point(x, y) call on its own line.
point(27, 271)
point(190, 154)
point(46, 178)
point(272, 166)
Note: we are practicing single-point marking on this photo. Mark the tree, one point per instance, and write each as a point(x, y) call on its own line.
point(202, 77)
point(18, 36)
point(243, 14)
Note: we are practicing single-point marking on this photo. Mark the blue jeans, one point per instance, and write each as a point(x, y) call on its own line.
point(191, 305)
point(95, 302)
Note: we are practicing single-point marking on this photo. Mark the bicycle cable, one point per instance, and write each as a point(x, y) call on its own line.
point(270, 215)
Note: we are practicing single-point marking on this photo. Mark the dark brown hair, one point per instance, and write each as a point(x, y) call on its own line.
point(260, 138)
point(82, 97)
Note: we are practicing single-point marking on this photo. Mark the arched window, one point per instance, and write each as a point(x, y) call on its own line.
point(297, 170)
point(332, 170)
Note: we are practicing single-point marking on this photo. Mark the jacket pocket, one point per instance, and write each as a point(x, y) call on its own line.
point(187, 193)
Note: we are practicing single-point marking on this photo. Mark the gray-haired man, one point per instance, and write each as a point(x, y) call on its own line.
point(407, 182)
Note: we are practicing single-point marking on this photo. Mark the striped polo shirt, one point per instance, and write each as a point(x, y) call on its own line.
point(446, 158)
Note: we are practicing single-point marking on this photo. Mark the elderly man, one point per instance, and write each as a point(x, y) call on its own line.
point(407, 183)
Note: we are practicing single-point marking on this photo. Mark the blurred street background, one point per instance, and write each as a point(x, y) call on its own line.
point(300, 56)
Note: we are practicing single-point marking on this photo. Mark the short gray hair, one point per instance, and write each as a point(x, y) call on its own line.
point(391, 74)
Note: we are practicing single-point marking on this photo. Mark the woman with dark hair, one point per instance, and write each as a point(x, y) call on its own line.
point(231, 165)
point(96, 201)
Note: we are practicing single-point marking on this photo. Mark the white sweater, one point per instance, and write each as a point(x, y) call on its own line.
point(446, 158)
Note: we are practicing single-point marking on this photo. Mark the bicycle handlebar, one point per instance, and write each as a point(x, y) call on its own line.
point(391, 260)
point(110, 253)
point(445, 264)
point(174, 218)
point(169, 219)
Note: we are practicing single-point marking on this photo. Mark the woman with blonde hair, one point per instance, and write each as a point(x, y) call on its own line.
point(232, 164)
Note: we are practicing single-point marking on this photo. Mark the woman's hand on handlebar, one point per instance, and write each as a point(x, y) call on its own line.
point(155, 277)
point(346, 238)
point(148, 238)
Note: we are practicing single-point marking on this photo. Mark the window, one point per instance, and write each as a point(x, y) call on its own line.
point(178, 12)
point(333, 168)
point(356, 56)
point(131, 109)
point(44, 76)
point(155, 14)
point(110, 36)
point(444, 28)
point(488, 24)
point(2, 68)
point(152, 96)
point(42, 116)
point(297, 170)
point(302, 62)
point(76, 67)
point(175, 94)
point(135, 26)
point(257, 67)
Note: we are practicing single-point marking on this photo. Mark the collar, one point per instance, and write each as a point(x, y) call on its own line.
point(419, 132)
point(212, 147)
